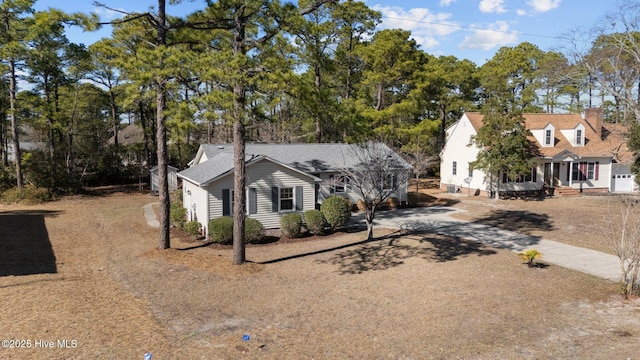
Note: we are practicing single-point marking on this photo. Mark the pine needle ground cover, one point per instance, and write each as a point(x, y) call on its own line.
point(421, 295)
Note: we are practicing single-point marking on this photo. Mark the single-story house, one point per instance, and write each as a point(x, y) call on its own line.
point(280, 178)
point(172, 178)
point(575, 154)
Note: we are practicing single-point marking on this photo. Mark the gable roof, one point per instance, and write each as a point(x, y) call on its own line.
point(308, 158)
point(611, 143)
point(222, 164)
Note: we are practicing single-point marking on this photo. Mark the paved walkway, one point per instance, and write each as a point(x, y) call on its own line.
point(438, 220)
point(150, 215)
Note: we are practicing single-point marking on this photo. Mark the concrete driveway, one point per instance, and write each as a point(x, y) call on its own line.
point(437, 219)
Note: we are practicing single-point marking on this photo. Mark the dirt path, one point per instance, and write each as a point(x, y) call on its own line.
point(402, 296)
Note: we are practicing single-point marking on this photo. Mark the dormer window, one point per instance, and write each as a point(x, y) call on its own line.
point(579, 137)
point(548, 136)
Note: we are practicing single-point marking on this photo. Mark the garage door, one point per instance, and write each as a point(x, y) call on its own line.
point(623, 183)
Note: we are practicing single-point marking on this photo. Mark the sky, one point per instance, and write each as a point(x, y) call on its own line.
point(466, 29)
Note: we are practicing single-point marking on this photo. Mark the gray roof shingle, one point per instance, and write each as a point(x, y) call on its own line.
point(306, 158)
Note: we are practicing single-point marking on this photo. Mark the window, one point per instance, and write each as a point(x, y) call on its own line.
point(286, 199)
point(547, 137)
point(585, 171)
point(579, 137)
point(455, 168)
point(340, 183)
point(590, 170)
point(531, 176)
point(388, 181)
point(470, 171)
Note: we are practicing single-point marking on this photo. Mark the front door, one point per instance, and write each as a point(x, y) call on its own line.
point(547, 174)
point(556, 174)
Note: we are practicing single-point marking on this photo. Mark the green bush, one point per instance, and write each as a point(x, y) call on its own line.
point(290, 225)
point(177, 215)
point(336, 211)
point(314, 221)
point(253, 230)
point(221, 229)
point(193, 228)
point(27, 195)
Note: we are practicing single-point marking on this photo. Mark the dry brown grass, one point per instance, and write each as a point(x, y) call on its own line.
point(410, 296)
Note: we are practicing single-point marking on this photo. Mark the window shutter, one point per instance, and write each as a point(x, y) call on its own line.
point(394, 181)
point(274, 199)
point(332, 186)
point(226, 203)
point(253, 200)
point(597, 170)
point(298, 195)
point(534, 173)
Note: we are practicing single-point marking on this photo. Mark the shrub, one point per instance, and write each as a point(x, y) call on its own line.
point(177, 215)
point(336, 211)
point(193, 228)
point(393, 202)
point(27, 195)
point(314, 221)
point(253, 230)
point(362, 206)
point(290, 225)
point(221, 230)
point(530, 255)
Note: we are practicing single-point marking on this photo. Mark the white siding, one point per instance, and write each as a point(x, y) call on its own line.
point(262, 176)
point(456, 149)
point(194, 199)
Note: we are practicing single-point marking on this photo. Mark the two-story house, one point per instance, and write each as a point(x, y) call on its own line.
point(576, 154)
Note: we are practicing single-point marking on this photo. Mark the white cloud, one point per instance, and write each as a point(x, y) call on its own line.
point(108, 14)
point(543, 5)
point(496, 35)
point(521, 12)
point(425, 26)
point(492, 6)
point(446, 2)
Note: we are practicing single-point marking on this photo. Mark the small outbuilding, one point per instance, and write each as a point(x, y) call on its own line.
point(172, 178)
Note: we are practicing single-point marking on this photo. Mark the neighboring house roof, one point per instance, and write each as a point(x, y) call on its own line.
point(130, 135)
point(222, 164)
point(309, 158)
point(610, 142)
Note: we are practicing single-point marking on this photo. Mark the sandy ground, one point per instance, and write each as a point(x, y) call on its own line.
point(80, 278)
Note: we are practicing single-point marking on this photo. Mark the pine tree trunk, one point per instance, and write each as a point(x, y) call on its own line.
point(238, 143)
point(239, 256)
point(14, 124)
point(161, 136)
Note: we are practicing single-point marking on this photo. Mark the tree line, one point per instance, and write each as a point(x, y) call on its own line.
point(315, 71)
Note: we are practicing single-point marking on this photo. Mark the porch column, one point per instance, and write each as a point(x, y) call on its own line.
point(570, 173)
point(553, 183)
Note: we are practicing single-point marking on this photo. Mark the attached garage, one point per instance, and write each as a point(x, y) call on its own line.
point(622, 180)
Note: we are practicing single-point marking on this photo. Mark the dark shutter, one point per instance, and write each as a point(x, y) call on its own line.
point(331, 184)
point(226, 203)
point(534, 174)
point(298, 195)
point(597, 170)
point(253, 200)
point(274, 199)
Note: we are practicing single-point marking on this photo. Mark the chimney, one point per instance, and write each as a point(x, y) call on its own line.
point(594, 118)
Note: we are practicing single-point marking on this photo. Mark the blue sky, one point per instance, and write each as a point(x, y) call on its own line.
point(467, 29)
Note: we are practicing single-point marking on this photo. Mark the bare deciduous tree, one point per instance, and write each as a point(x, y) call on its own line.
point(622, 230)
point(379, 174)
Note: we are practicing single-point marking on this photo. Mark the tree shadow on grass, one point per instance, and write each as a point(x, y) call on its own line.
point(523, 222)
point(25, 248)
point(393, 250)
